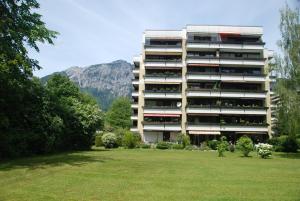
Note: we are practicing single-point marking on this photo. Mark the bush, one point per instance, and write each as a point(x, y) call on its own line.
point(145, 146)
point(183, 139)
point(284, 143)
point(213, 144)
point(264, 150)
point(231, 147)
point(120, 132)
point(245, 145)
point(163, 145)
point(109, 140)
point(290, 144)
point(191, 147)
point(204, 146)
point(222, 146)
point(177, 146)
point(98, 140)
point(130, 140)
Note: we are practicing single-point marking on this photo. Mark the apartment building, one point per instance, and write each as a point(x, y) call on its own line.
point(204, 81)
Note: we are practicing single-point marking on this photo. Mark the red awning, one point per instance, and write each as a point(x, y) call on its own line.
point(161, 115)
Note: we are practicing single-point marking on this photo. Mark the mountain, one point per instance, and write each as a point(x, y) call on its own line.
point(105, 81)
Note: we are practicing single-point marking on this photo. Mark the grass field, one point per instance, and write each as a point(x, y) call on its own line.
point(150, 175)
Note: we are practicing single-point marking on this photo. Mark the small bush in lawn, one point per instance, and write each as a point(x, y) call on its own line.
point(130, 140)
point(231, 147)
point(98, 140)
point(213, 144)
point(245, 145)
point(183, 139)
point(222, 146)
point(191, 147)
point(204, 146)
point(109, 140)
point(120, 132)
point(163, 145)
point(177, 146)
point(145, 146)
point(264, 150)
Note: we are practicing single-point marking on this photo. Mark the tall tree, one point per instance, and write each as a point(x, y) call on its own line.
point(118, 115)
point(287, 66)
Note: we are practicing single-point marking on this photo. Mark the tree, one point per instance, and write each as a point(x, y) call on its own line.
point(118, 115)
point(287, 67)
point(245, 145)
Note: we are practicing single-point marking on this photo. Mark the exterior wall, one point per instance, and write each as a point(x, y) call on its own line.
point(149, 135)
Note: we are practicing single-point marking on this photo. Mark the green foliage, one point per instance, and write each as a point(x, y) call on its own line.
point(213, 144)
point(183, 139)
point(118, 115)
point(145, 146)
point(98, 139)
point(284, 143)
point(231, 147)
point(119, 132)
point(191, 147)
point(177, 146)
point(287, 67)
point(109, 140)
point(222, 146)
point(264, 150)
point(245, 145)
point(163, 145)
point(130, 140)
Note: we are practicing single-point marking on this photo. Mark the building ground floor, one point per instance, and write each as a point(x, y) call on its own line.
point(198, 138)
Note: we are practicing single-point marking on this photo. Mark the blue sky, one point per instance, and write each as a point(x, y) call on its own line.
point(98, 31)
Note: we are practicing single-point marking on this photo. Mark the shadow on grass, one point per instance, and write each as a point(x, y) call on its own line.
point(41, 162)
point(288, 155)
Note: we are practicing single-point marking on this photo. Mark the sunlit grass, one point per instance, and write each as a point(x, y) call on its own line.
point(151, 175)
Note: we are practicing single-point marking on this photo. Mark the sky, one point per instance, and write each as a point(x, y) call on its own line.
point(100, 31)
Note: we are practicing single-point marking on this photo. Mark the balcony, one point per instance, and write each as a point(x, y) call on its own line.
point(227, 127)
point(134, 105)
point(134, 129)
point(163, 78)
point(228, 93)
point(163, 63)
point(135, 82)
point(135, 94)
point(162, 126)
point(162, 94)
point(242, 77)
point(136, 71)
point(211, 60)
point(162, 110)
point(196, 44)
point(176, 48)
point(215, 109)
point(134, 117)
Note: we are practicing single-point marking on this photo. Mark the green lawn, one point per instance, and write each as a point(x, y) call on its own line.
point(151, 175)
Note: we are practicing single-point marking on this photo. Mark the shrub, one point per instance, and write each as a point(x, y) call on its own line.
point(191, 147)
point(145, 146)
point(222, 146)
point(264, 150)
point(290, 144)
point(177, 146)
point(130, 140)
point(109, 140)
point(245, 145)
point(231, 147)
point(183, 139)
point(163, 145)
point(98, 140)
point(204, 146)
point(120, 132)
point(284, 143)
point(213, 144)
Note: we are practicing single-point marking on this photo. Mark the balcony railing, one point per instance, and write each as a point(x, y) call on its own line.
point(224, 73)
point(227, 124)
point(227, 42)
point(227, 106)
point(160, 123)
point(163, 60)
point(163, 46)
point(161, 107)
point(224, 58)
point(226, 90)
point(162, 91)
point(162, 76)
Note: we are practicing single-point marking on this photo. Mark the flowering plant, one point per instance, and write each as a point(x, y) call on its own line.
point(264, 150)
